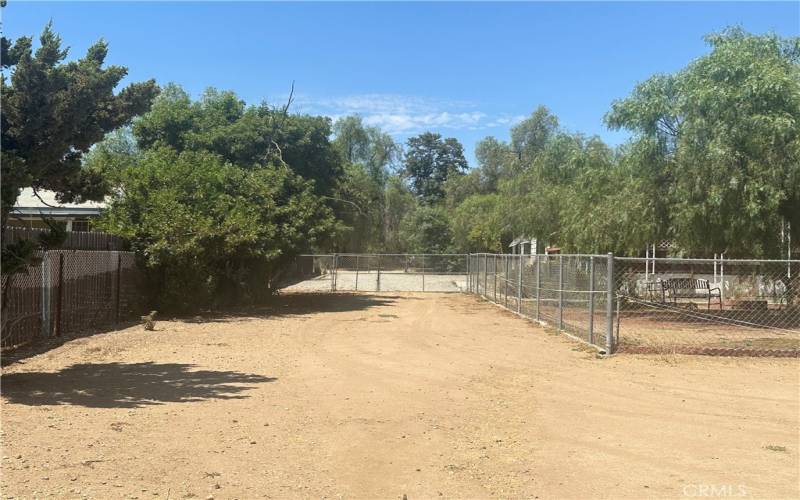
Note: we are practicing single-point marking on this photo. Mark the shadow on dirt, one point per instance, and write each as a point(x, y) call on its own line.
point(40, 345)
point(302, 304)
point(126, 385)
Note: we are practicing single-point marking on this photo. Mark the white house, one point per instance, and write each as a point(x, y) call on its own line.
point(30, 210)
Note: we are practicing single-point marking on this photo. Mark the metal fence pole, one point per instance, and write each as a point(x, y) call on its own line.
point(505, 280)
point(378, 284)
point(610, 304)
point(486, 275)
point(519, 284)
point(333, 272)
point(495, 277)
point(722, 278)
point(423, 272)
point(591, 300)
point(356, 272)
point(538, 287)
point(467, 273)
point(560, 291)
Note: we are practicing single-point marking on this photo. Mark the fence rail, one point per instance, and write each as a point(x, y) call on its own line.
point(380, 272)
point(568, 292)
point(69, 291)
point(75, 240)
point(693, 306)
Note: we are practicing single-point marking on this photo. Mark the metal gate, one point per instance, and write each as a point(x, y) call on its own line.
point(380, 273)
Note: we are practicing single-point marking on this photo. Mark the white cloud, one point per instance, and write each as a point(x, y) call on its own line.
point(505, 121)
point(403, 115)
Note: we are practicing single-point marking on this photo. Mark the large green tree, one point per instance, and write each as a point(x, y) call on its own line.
point(54, 111)
point(203, 224)
point(430, 161)
point(726, 133)
point(530, 136)
point(247, 136)
point(370, 155)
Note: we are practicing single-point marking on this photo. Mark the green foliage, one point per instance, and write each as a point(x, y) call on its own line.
point(714, 164)
point(247, 136)
point(426, 229)
point(480, 224)
point(529, 137)
point(399, 201)
point(203, 224)
point(54, 111)
point(358, 205)
point(359, 200)
point(370, 147)
point(429, 162)
point(724, 135)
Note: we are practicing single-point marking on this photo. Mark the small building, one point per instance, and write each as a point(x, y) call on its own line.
point(30, 211)
point(524, 246)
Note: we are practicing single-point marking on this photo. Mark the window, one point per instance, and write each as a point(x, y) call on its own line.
point(80, 225)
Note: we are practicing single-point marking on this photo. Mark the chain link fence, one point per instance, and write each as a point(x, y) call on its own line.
point(379, 273)
point(568, 292)
point(617, 304)
point(69, 291)
point(709, 306)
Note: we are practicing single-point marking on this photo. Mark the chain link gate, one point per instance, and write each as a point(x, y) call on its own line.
point(380, 273)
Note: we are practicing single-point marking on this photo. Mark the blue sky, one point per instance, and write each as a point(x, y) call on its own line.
point(466, 70)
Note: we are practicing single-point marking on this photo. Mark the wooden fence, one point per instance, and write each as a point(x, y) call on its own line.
point(76, 240)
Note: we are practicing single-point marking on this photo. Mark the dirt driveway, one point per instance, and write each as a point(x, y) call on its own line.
point(380, 396)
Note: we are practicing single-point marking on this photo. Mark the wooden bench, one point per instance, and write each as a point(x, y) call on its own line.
point(690, 288)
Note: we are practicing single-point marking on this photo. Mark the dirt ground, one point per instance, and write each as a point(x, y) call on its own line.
point(380, 396)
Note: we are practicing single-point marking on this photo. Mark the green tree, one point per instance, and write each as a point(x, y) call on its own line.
point(726, 132)
point(359, 205)
point(54, 111)
point(495, 163)
point(203, 224)
point(426, 229)
point(399, 202)
point(479, 224)
point(360, 201)
point(530, 136)
point(247, 136)
point(367, 146)
point(429, 161)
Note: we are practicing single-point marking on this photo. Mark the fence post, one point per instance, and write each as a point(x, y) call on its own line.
point(722, 278)
point(423, 272)
point(610, 304)
point(466, 271)
point(538, 287)
point(495, 277)
point(378, 283)
point(486, 275)
point(45, 296)
point(119, 287)
point(505, 280)
point(560, 291)
point(591, 299)
point(519, 284)
point(333, 271)
point(356, 272)
point(60, 299)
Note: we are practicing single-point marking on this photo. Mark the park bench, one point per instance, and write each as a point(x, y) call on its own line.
point(690, 288)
